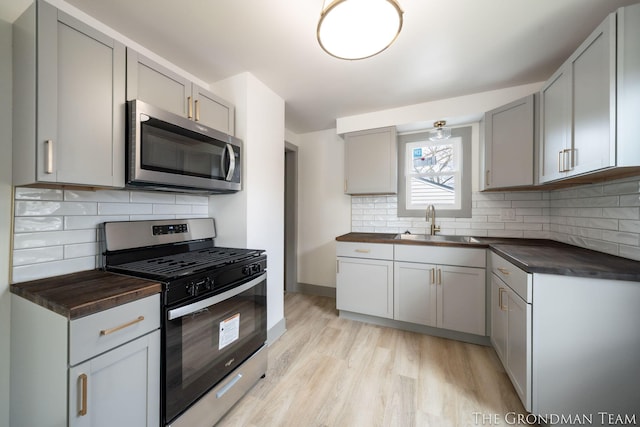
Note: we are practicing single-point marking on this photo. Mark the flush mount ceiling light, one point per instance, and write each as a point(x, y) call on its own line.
point(358, 29)
point(439, 132)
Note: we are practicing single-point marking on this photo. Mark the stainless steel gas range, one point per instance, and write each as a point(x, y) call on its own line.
point(214, 312)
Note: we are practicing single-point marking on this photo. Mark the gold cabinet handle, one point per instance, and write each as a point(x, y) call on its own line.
point(432, 276)
point(189, 108)
point(363, 251)
point(439, 276)
point(503, 271)
point(487, 181)
point(197, 104)
point(560, 161)
point(82, 381)
point(501, 292)
point(49, 158)
point(124, 325)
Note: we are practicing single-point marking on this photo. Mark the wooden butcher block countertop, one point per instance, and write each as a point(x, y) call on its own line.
point(87, 292)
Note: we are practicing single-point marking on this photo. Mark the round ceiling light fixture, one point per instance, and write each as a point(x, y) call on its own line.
point(358, 29)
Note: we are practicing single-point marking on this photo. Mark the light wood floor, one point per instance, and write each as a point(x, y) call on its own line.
point(328, 371)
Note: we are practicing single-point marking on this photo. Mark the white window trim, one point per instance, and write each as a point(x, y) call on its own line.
point(465, 169)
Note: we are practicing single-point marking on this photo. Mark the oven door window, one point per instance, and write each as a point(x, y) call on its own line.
point(167, 148)
point(204, 346)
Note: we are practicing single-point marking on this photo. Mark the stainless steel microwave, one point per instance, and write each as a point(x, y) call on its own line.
point(172, 153)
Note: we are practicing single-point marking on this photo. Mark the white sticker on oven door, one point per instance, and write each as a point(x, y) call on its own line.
point(229, 330)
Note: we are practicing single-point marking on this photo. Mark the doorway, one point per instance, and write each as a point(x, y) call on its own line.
point(290, 217)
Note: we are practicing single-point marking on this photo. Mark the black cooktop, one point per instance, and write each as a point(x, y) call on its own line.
point(186, 263)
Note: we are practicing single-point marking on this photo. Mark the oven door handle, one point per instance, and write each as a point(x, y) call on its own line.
point(196, 306)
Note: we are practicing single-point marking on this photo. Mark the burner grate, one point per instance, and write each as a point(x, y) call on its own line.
point(188, 262)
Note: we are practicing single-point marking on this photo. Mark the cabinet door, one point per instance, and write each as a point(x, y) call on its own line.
point(509, 144)
point(371, 162)
point(593, 101)
point(213, 111)
point(519, 346)
point(499, 304)
point(555, 134)
point(414, 293)
point(80, 102)
point(461, 299)
point(118, 388)
point(154, 84)
point(365, 286)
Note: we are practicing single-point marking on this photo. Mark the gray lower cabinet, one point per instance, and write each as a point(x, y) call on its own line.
point(154, 84)
point(569, 344)
point(69, 112)
point(364, 279)
point(511, 324)
point(444, 296)
point(370, 282)
point(509, 136)
point(98, 370)
point(371, 165)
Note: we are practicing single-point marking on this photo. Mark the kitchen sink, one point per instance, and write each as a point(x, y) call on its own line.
point(437, 238)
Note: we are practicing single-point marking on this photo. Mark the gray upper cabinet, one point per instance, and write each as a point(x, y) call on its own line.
point(509, 145)
point(589, 106)
point(69, 111)
point(371, 165)
point(628, 86)
point(154, 84)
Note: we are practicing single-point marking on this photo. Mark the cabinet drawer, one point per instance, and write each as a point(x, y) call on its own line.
point(465, 257)
point(517, 279)
point(100, 332)
point(365, 250)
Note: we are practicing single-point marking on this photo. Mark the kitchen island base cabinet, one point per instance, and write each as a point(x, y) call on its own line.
point(110, 386)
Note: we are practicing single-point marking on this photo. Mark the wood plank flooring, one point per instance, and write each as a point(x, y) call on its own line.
point(328, 371)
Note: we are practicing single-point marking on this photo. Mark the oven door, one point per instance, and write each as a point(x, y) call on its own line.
point(207, 339)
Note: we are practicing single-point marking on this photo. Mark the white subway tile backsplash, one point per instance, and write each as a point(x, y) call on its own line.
point(603, 217)
point(37, 255)
point(81, 250)
point(55, 231)
point(52, 238)
point(188, 199)
point(25, 193)
point(90, 221)
point(23, 273)
point(44, 208)
point(27, 224)
point(151, 197)
point(97, 196)
point(125, 208)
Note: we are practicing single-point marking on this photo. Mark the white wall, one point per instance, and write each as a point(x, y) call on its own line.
point(5, 215)
point(459, 110)
point(323, 208)
point(254, 217)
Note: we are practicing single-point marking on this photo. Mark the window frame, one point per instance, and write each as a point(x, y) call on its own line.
point(464, 133)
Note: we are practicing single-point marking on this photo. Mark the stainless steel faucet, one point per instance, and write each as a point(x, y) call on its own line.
point(431, 217)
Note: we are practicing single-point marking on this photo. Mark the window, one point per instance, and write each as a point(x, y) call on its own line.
point(435, 173)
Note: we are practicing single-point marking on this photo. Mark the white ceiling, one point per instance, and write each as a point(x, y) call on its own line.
point(447, 48)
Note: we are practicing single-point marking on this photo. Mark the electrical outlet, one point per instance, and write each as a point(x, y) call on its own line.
point(508, 214)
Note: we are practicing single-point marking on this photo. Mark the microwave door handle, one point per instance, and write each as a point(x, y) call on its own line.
point(197, 306)
point(228, 150)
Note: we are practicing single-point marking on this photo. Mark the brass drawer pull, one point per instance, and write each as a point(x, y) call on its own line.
point(82, 379)
point(503, 271)
point(363, 251)
point(124, 325)
point(501, 291)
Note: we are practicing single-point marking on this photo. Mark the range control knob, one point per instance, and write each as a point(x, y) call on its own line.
point(246, 270)
point(208, 283)
point(192, 289)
